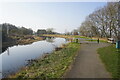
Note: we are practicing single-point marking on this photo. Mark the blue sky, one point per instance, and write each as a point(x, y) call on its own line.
point(42, 15)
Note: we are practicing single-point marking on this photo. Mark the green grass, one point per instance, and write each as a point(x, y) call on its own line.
point(53, 65)
point(77, 36)
point(88, 38)
point(111, 58)
point(96, 40)
point(104, 41)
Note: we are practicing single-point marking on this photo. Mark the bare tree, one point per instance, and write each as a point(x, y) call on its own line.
point(103, 22)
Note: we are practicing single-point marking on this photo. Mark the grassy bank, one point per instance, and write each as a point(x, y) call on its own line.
point(91, 39)
point(52, 65)
point(111, 59)
point(67, 36)
point(78, 36)
point(56, 35)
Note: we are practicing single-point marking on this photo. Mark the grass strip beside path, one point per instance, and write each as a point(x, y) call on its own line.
point(54, 65)
point(111, 58)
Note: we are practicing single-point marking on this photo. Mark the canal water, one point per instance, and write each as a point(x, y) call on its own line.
point(17, 56)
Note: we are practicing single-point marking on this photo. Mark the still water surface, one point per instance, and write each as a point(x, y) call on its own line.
point(16, 57)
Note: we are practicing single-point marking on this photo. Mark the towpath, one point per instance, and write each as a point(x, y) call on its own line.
point(87, 63)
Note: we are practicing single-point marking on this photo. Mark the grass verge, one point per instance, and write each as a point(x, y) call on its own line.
point(54, 65)
point(111, 58)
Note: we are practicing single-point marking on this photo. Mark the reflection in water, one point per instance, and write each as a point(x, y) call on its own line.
point(8, 51)
point(6, 45)
point(50, 39)
point(17, 56)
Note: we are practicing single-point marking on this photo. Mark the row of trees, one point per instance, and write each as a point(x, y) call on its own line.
point(104, 22)
point(47, 31)
point(11, 30)
point(73, 32)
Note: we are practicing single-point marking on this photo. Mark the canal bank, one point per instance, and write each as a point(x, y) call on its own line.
point(17, 56)
point(52, 65)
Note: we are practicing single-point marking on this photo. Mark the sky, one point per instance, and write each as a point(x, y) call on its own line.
point(62, 16)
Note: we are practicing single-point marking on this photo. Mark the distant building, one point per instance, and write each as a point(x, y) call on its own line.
point(41, 31)
point(75, 33)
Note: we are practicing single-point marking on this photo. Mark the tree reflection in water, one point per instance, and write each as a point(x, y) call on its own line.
point(8, 51)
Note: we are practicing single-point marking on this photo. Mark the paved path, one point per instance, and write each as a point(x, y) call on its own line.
point(87, 63)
